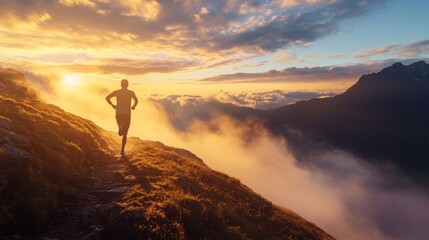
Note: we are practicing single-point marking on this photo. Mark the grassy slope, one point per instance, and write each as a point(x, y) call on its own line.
point(47, 156)
point(179, 197)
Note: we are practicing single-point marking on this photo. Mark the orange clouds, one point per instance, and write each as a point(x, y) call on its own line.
point(71, 3)
point(149, 10)
point(293, 3)
point(195, 39)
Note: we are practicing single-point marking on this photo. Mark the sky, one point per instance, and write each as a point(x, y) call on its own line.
point(203, 47)
point(255, 53)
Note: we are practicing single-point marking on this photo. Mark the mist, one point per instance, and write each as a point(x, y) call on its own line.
point(347, 197)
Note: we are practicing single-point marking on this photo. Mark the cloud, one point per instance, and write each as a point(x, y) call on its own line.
point(63, 58)
point(44, 83)
point(282, 28)
point(257, 100)
point(71, 3)
point(309, 74)
point(342, 194)
point(375, 51)
point(399, 50)
point(293, 3)
point(131, 67)
point(85, 64)
point(252, 65)
point(283, 56)
point(414, 49)
point(183, 110)
point(331, 56)
point(294, 74)
point(41, 82)
point(181, 25)
point(267, 100)
point(148, 10)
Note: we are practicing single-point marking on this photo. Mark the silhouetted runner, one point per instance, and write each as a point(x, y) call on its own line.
point(123, 109)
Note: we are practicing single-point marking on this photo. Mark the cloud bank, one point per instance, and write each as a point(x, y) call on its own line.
point(256, 100)
point(342, 194)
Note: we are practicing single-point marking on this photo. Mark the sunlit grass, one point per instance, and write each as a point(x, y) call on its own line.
point(179, 197)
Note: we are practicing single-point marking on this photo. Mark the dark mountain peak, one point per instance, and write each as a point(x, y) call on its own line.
point(397, 65)
point(395, 79)
point(414, 71)
point(419, 70)
point(419, 64)
point(384, 117)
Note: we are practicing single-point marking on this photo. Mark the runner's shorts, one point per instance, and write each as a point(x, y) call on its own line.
point(123, 121)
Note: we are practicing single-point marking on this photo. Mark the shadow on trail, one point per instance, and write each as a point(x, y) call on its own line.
point(139, 175)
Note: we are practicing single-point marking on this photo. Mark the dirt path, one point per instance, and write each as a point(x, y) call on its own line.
point(88, 216)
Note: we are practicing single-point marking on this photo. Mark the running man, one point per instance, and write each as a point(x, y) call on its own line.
point(123, 110)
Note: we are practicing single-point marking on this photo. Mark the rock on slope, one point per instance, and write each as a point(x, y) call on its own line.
point(59, 180)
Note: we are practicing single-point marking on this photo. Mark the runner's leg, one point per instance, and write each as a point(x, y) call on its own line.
point(124, 141)
point(119, 121)
point(126, 120)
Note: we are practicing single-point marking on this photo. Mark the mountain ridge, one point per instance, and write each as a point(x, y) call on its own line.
point(383, 117)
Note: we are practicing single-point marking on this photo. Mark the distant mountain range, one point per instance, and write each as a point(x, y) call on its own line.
point(383, 117)
point(59, 179)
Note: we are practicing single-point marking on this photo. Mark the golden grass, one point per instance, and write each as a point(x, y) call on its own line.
point(179, 197)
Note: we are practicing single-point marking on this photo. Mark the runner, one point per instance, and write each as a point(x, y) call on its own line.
point(123, 110)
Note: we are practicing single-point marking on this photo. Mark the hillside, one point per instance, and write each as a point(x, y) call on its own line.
point(59, 179)
point(46, 156)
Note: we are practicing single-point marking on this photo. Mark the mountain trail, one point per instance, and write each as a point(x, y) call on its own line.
point(86, 217)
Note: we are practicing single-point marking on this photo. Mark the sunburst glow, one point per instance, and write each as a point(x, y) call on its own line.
point(71, 80)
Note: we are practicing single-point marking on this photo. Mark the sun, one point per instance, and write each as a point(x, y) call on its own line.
point(71, 80)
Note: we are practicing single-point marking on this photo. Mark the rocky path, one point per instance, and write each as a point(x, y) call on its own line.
point(97, 206)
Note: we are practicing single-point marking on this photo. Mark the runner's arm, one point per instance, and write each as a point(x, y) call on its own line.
point(136, 101)
point(113, 94)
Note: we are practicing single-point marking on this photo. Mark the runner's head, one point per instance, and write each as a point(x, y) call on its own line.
point(124, 83)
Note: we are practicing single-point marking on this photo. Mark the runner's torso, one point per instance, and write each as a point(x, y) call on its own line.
point(123, 101)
